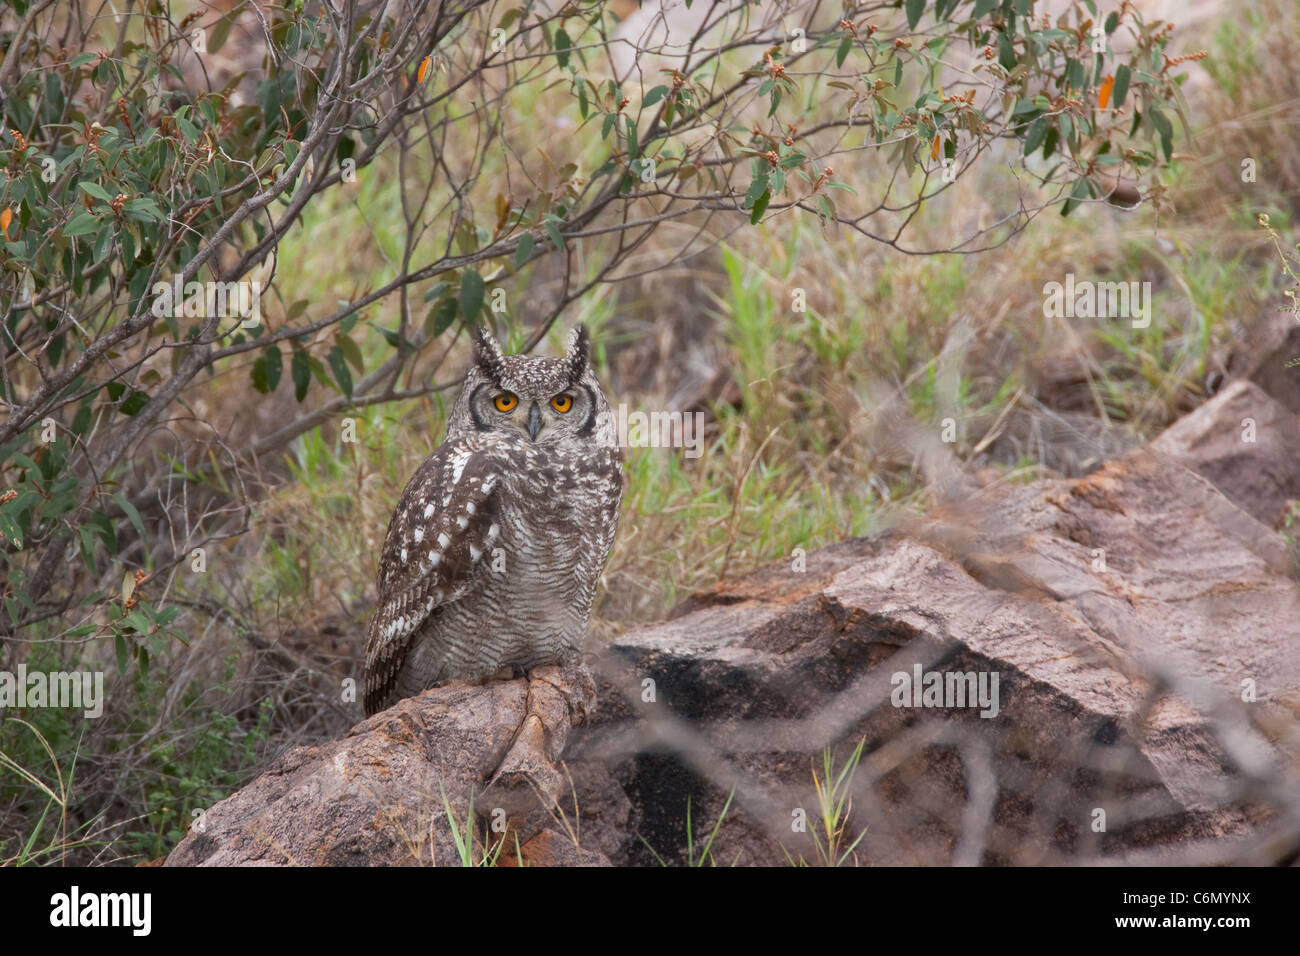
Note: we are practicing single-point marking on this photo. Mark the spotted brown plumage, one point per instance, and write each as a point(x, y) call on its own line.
point(493, 553)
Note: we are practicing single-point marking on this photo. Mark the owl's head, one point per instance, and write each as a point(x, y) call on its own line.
point(543, 400)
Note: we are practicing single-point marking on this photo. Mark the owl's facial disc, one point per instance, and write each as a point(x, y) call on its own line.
point(545, 401)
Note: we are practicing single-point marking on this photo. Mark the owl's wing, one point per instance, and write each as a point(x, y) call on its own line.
point(444, 524)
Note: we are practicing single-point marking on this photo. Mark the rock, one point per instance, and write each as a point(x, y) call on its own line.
point(1119, 686)
point(1246, 443)
point(1271, 342)
point(551, 848)
point(380, 795)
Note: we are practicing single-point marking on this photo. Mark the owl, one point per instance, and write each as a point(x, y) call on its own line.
point(492, 556)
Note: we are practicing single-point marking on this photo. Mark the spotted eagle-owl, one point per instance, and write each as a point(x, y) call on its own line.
point(493, 553)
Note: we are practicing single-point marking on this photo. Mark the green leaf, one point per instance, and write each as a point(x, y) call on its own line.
point(562, 46)
point(1006, 51)
point(553, 231)
point(274, 366)
point(220, 30)
point(300, 369)
point(188, 130)
point(760, 207)
point(1112, 22)
point(258, 376)
point(134, 402)
point(471, 293)
point(339, 366)
point(82, 420)
point(654, 96)
point(143, 210)
point(1074, 75)
point(914, 10)
point(524, 249)
point(10, 531)
point(82, 224)
point(131, 513)
point(1049, 144)
point(99, 524)
point(1037, 133)
point(392, 337)
point(95, 190)
point(983, 6)
point(633, 149)
point(86, 540)
point(842, 53)
point(1165, 130)
point(1081, 191)
point(1122, 77)
point(441, 316)
point(351, 352)
point(103, 242)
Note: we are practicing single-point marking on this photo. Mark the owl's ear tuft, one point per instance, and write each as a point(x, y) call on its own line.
point(577, 353)
point(488, 355)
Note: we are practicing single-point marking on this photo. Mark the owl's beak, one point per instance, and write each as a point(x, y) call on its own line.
point(534, 421)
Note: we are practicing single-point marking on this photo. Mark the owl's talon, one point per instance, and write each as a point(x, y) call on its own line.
point(539, 739)
point(527, 755)
point(575, 684)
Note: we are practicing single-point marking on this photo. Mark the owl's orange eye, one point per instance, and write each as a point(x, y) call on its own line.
point(505, 402)
point(562, 403)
